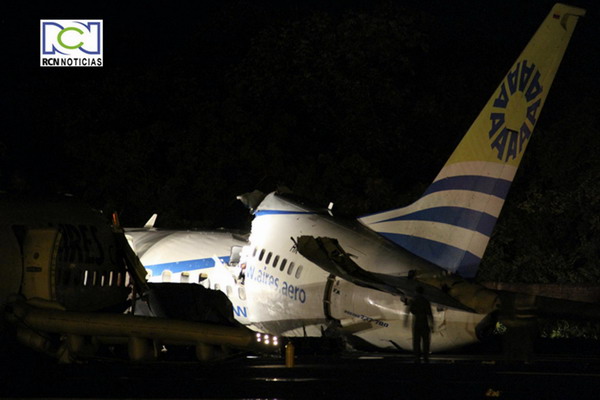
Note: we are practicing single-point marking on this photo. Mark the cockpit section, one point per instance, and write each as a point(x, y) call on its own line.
point(61, 252)
point(68, 278)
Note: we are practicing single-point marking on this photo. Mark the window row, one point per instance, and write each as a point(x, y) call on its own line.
point(278, 262)
point(78, 277)
point(241, 291)
point(166, 276)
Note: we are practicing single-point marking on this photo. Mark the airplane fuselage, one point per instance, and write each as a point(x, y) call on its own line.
point(181, 256)
point(286, 294)
point(60, 251)
point(308, 273)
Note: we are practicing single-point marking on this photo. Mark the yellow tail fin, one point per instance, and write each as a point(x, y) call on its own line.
point(451, 224)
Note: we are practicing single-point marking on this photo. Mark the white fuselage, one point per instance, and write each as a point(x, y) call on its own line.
point(285, 294)
point(181, 256)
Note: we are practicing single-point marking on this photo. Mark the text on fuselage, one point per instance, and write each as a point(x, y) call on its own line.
point(280, 286)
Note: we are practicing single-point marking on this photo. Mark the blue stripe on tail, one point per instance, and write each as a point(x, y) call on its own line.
point(457, 216)
point(453, 259)
point(483, 184)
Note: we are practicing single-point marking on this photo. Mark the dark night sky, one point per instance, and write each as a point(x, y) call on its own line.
point(169, 67)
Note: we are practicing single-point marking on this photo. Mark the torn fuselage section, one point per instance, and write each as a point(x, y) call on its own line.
point(442, 289)
point(365, 305)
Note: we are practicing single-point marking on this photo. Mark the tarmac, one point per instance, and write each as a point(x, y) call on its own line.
point(571, 372)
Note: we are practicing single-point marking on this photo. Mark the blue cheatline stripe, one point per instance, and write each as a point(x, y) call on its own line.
point(463, 217)
point(448, 257)
point(482, 184)
point(280, 212)
point(181, 266)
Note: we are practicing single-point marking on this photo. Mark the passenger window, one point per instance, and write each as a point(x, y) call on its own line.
point(275, 261)
point(85, 277)
point(299, 271)
point(269, 257)
point(228, 290)
point(283, 262)
point(185, 277)
point(166, 275)
point(242, 293)
point(217, 286)
point(290, 269)
point(111, 278)
point(261, 255)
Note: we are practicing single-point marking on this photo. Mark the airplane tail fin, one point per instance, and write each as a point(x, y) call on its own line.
point(150, 223)
point(451, 224)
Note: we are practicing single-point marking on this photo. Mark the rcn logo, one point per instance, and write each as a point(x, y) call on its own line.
point(70, 43)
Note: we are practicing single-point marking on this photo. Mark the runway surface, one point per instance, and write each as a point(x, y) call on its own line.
point(349, 375)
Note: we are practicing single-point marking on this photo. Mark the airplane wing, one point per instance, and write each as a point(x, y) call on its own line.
point(331, 257)
point(448, 291)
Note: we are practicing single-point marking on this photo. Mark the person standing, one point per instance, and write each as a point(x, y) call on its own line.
point(422, 327)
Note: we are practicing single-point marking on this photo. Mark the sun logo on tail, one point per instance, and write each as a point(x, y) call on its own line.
point(515, 111)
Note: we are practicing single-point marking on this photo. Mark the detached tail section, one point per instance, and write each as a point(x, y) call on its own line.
point(451, 224)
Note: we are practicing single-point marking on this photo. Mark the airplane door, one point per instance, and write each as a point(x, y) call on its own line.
point(327, 296)
point(40, 251)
